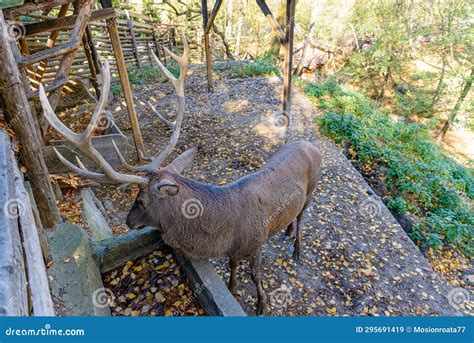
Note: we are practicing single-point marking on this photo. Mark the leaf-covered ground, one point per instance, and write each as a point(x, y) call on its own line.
point(356, 258)
point(151, 286)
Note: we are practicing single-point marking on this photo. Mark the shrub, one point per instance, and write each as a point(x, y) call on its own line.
point(397, 205)
point(421, 179)
point(148, 73)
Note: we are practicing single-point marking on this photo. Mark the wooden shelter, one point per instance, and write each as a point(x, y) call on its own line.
point(285, 36)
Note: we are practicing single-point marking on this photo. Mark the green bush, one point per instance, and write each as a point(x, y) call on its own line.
point(148, 73)
point(262, 66)
point(420, 177)
point(397, 205)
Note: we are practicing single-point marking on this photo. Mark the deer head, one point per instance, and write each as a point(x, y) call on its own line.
point(158, 183)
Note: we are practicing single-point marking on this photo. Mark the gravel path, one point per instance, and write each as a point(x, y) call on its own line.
point(356, 259)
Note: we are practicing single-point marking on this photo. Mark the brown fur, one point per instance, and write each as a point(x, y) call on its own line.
point(237, 218)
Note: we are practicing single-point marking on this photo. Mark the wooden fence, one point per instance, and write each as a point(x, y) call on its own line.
point(24, 287)
point(139, 35)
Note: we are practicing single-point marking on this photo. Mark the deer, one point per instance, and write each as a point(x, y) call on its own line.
point(198, 220)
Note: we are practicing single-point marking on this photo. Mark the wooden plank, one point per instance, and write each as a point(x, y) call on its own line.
point(49, 53)
point(41, 235)
point(133, 38)
point(13, 283)
point(49, 87)
point(40, 295)
point(66, 22)
point(51, 42)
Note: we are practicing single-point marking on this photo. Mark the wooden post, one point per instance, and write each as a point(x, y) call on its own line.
point(127, 91)
point(90, 62)
point(207, 48)
point(95, 54)
point(289, 33)
point(134, 39)
point(92, 59)
point(155, 42)
point(23, 123)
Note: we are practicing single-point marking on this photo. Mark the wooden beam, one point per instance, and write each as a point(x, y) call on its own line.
point(39, 292)
point(48, 53)
point(13, 12)
point(66, 22)
point(213, 15)
point(49, 87)
point(273, 22)
point(50, 43)
point(133, 38)
point(127, 91)
point(289, 34)
point(90, 61)
point(23, 123)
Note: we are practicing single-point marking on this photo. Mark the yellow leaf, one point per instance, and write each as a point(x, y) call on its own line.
point(135, 313)
point(131, 296)
point(332, 310)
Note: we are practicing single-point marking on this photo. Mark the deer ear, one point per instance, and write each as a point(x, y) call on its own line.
point(184, 161)
point(165, 188)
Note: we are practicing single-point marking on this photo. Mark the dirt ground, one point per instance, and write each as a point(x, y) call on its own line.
point(356, 259)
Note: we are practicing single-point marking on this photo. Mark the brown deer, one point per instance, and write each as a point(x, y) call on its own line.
point(204, 221)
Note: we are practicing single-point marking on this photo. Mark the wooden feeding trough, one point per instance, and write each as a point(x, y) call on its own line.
point(103, 143)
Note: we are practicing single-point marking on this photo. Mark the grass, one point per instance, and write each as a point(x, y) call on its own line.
point(148, 73)
point(420, 179)
point(262, 66)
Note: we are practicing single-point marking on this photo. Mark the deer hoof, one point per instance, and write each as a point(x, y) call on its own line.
point(261, 308)
point(296, 255)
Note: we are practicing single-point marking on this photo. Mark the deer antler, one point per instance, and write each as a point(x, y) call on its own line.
point(178, 83)
point(83, 141)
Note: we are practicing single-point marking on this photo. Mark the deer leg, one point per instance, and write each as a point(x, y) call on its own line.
point(234, 263)
point(296, 246)
point(255, 270)
point(289, 231)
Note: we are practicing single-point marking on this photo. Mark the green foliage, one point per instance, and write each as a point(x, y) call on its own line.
point(421, 179)
point(116, 89)
point(397, 205)
point(262, 66)
point(146, 74)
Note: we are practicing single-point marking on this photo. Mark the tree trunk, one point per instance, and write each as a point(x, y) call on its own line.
point(274, 52)
point(23, 123)
point(439, 87)
point(304, 54)
point(228, 53)
point(240, 22)
point(452, 116)
point(228, 22)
